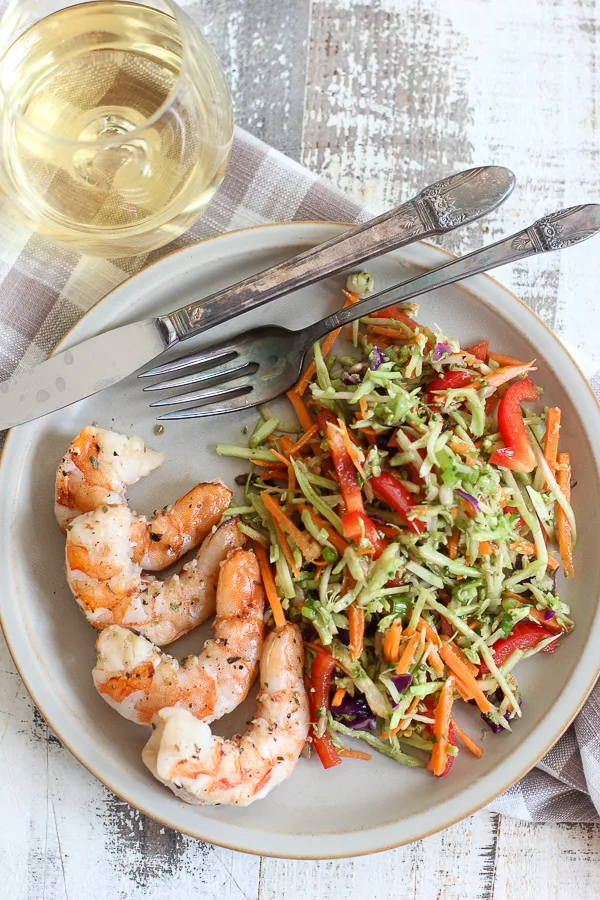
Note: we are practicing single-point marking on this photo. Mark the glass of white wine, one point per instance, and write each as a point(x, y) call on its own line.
point(116, 121)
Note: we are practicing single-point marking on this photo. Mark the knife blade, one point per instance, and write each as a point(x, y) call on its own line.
point(106, 359)
point(77, 373)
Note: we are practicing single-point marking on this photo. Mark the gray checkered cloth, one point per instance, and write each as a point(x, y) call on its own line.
point(45, 288)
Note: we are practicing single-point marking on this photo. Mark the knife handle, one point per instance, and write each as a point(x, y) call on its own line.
point(441, 207)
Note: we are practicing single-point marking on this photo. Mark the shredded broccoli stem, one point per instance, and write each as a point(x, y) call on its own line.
point(383, 747)
point(404, 536)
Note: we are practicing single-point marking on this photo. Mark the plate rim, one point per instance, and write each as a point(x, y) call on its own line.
point(63, 343)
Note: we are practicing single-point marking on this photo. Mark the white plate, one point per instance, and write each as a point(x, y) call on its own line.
point(358, 807)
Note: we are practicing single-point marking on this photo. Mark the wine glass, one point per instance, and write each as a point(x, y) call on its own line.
point(115, 121)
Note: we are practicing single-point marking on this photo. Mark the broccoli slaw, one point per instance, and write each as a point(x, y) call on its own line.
point(408, 524)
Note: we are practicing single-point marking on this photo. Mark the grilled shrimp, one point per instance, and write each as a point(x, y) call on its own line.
point(138, 679)
point(97, 468)
point(200, 767)
point(106, 578)
point(174, 530)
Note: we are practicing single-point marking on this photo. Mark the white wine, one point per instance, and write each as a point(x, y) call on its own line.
point(116, 129)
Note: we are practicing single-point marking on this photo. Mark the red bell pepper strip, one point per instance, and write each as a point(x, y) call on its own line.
point(430, 708)
point(345, 473)
point(320, 681)
point(389, 489)
point(479, 351)
point(517, 453)
point(323, 417)
point(353, 531)
point(524, 636)
point(443, 383)
point(345, 470)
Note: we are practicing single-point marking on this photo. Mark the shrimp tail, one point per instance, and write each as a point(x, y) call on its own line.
point(202, 768)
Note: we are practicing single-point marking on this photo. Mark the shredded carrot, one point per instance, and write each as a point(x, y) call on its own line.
point(285, 462)
point(386, 331)
point(338, 697)
point(332, 536)
point(537, 614)
point(529, 549)
point(431, 633)
point(460, 447)
point(356, 619)
point(391, 641)
point(503, 360)
point(351, 297)
point(443, 716)
point(300, 408)
point(464, 693)
point(453, 543)
point(309, 548)
point(500, 376)
point(364, 409)
point(354, 754)
point(563, 529)
point(305, 439)
point(459, 668)
point(286, 550)
point(351, 448)
point(473, 669)
point(552, 433)
point(484, 549)
point(467, 741)
point(291, 488)
point(550, 624)
point(435, 659)
point(407, 654)
point(316, 647)
point(286, 444)
point(269, 585)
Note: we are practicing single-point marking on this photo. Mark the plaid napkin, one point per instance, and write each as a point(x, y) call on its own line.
point(45, 288)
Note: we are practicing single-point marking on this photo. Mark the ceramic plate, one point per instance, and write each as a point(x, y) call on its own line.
point(358, 807)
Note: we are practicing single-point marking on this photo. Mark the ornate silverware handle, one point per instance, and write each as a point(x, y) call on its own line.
point(441, 207)
point(554, 232)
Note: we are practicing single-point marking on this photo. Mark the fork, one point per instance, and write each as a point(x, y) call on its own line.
point(260, 365)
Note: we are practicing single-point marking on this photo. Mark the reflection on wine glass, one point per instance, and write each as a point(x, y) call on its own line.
point(116, 121)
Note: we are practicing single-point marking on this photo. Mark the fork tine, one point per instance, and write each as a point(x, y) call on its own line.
point(244, 384)
point(228, 400)
point(212, 354)
point(224, 372)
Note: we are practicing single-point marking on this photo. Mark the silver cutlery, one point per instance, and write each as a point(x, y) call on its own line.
point(260, 365)
point(109, 357)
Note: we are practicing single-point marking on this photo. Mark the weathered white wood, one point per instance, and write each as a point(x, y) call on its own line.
point(547, 861)
point(401, 91)
point(423, 871)
point(263, 47)
point(398, 92)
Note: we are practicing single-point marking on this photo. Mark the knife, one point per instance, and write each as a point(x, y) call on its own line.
point(107, 358)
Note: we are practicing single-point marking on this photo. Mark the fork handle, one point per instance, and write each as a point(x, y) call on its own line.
point(441, 207)
point(554, 232)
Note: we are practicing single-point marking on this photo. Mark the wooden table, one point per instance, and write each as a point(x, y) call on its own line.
point(379, 97)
